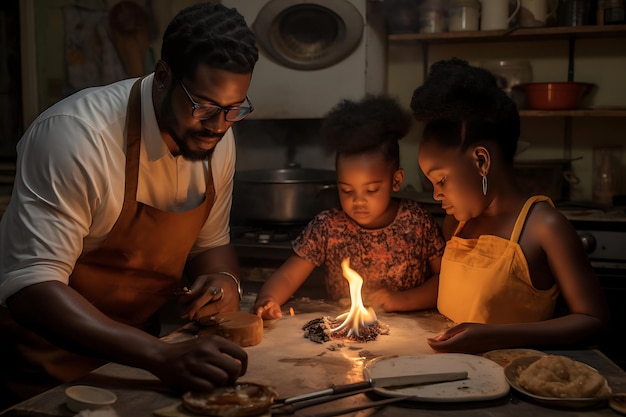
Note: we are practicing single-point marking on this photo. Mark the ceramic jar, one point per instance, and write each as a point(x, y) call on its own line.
point(498, 14)
point(464, 15)
point(537, 13)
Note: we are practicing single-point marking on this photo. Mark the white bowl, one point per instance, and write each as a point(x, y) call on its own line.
point(84, 397)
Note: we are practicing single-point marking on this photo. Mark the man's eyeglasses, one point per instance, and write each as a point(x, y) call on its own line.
point(207, 111)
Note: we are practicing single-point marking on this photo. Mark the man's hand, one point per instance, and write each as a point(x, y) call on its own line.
point(210, 294)
point(70, 321)
point(200, 364)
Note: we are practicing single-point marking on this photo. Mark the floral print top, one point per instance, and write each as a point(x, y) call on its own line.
point(394, 257)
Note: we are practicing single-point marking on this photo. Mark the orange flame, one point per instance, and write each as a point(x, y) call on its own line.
point(358, 316)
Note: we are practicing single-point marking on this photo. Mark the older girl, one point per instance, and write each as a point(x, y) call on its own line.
point(509, 256)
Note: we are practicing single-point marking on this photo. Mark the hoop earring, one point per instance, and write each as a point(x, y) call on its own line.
point(484, 185)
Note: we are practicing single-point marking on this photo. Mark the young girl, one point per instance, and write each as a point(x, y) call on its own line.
point(509, 256)
point(394, 244)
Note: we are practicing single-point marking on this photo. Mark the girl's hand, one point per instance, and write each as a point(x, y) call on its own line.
point(463, 338)
point(267, 309)
point(382, 298)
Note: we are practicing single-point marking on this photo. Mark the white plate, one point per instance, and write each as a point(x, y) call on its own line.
point(485, 377)
point(512, 371)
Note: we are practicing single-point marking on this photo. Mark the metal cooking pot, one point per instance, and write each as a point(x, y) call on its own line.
point(282, 196)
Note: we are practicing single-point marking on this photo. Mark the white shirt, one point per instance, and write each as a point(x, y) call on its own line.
point(69, 185)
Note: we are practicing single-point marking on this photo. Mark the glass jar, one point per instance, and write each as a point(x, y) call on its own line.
point(575, 13)
point(606, 161)
point(509, 74)
point(402, 16)
point(432, 16)
point(613, 12)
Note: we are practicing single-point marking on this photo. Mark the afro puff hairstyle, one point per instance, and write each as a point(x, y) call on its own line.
point(374, 124)
point(463, 106)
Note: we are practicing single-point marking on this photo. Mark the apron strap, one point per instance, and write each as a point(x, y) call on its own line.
point(521, 218)
point(459, 227)
point(133, 138)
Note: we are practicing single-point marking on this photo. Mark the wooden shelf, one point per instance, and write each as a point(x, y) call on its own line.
point(526, 34)
point(514, 34)
point(574, 113)
point(570, 34)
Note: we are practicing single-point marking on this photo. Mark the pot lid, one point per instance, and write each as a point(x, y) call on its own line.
point(286, 176)
point(309, 35)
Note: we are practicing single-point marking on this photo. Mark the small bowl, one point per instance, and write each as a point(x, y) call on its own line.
point(84, 397)
point(556, 95)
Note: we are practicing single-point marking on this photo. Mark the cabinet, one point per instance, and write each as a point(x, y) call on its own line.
point(593, 41)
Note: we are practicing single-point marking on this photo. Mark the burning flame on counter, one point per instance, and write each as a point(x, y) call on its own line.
point(358, 316)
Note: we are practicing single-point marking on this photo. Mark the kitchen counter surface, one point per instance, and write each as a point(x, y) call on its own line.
point(292, 365)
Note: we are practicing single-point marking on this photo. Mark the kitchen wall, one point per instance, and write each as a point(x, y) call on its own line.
point(47, 77)
point(261, 143)
point(600, 61)
point(273, 144)
point(266, 143)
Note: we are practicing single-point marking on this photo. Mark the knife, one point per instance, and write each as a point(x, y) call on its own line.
point(382, 382)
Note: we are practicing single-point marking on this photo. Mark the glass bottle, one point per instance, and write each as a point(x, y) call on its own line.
point(575, 13)
point(605, 163)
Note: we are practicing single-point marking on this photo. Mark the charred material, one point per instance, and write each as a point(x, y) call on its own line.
point(319, 331)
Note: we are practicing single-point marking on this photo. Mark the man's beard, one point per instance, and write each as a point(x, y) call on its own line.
point(187, 153)
point(183, 149)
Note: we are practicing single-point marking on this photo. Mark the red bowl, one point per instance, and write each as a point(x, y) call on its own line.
point(556, 95)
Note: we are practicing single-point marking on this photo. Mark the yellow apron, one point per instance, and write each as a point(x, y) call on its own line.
point(486, 280)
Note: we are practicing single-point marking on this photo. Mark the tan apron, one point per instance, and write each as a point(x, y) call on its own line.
point(129, 277)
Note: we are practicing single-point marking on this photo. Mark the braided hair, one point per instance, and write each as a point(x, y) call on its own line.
point(211, 34)
point(462, 106)
point(374, 124)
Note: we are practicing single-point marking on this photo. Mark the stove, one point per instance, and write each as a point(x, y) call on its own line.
point(263, 236)
point(263, 242)
point(262, 249)
point(603, 234)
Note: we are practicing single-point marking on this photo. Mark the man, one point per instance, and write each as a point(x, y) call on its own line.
point(119, 191)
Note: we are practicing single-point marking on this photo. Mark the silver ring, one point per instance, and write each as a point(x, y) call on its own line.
point(217, 291)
